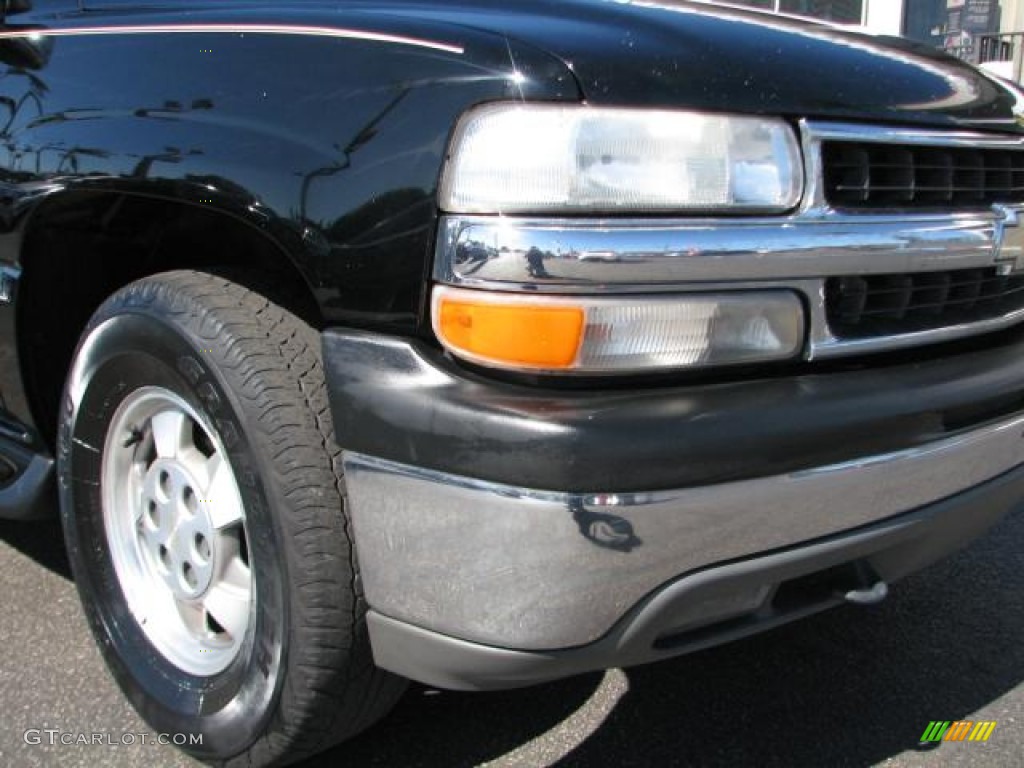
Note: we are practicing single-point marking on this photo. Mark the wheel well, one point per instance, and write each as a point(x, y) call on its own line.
point(80, 247)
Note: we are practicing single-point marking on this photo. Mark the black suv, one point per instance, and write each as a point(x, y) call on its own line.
point(482, 343)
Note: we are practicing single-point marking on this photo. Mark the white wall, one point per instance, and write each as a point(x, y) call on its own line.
point(884, 17)
point(1012, 17)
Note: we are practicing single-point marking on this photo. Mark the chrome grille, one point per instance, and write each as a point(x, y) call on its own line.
point(866, 306)
point(877, 175)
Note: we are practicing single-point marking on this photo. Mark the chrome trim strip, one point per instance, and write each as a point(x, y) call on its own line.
point(813, 204)
point(609, 255)
point(531, 569)
point(885, 134)
point(264, 29)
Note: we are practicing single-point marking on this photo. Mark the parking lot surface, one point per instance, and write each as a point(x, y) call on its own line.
point(851, 687)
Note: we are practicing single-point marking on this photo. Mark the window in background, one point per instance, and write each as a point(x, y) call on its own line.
point(842, 11)
point(766, 4)
point(925, 20)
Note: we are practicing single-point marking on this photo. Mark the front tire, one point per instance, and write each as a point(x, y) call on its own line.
point(203, 507)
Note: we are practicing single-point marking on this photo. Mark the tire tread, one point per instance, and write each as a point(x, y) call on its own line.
point(271, 360)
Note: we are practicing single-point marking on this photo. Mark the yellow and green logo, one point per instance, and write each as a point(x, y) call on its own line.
point(958, 730)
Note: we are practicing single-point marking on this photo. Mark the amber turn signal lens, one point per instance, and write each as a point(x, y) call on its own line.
point(617, 334)
point(509, 330)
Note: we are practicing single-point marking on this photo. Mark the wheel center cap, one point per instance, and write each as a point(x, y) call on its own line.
point(176, 532)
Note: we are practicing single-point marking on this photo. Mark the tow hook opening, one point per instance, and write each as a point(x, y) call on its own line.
point(853, 582)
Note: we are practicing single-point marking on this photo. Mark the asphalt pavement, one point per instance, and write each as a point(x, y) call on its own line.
point(850, 687)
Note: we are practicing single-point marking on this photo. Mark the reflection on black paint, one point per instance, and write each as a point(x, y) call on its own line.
point(395, 223)
point(603, 529)
point(29, 52)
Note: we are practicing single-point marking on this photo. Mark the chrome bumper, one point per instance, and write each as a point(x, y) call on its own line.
point(536, 570)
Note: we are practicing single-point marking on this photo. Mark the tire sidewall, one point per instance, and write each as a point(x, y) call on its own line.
point(124, 348)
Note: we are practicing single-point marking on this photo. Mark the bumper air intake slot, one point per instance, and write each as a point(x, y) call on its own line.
point(853, 582)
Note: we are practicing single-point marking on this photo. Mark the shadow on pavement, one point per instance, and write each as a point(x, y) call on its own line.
point(41, 540)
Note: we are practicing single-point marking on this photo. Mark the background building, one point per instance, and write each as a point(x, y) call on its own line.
point(925, 20)
point(958, 26)
point(988, 32)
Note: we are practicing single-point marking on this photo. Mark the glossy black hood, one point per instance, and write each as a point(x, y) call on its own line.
point(711, 57)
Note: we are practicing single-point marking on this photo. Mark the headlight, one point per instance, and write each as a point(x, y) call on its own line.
point(532, 158)
point(627, 334)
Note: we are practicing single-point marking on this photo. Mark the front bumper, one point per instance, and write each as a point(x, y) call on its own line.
point(708, 607)
point(475, 581)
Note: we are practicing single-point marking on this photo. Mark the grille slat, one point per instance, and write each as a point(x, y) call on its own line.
point(870, 175)
point(928, 188)
point(960, 284)
point(868, 306)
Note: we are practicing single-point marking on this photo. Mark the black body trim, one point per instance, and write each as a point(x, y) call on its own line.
point(406, 402)
point(796, 582)
point(31, 493)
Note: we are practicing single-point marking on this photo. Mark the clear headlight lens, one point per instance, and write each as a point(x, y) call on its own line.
point(532, 158)
point(627, 334)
